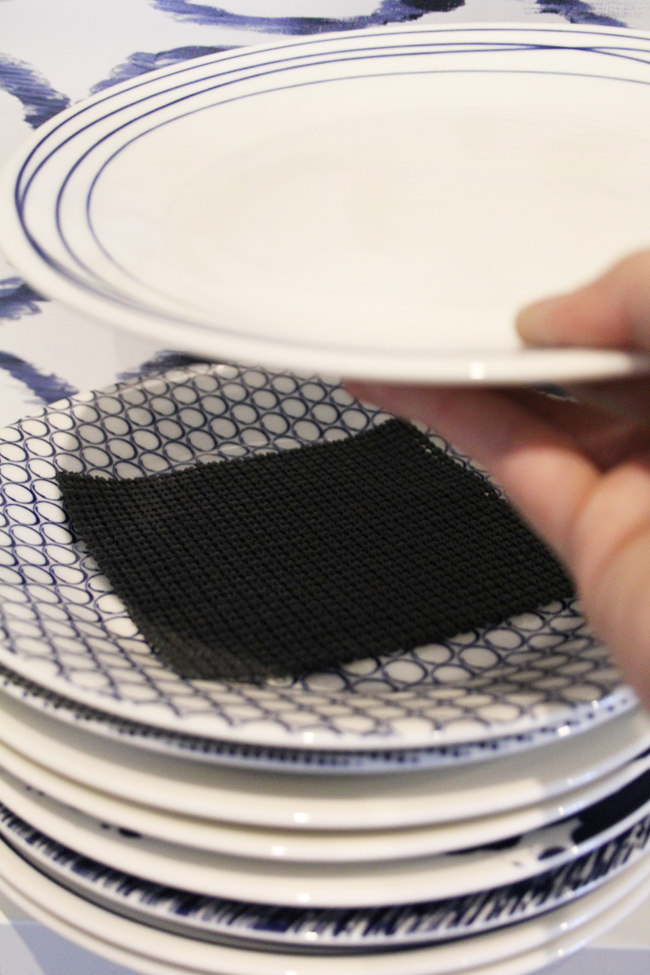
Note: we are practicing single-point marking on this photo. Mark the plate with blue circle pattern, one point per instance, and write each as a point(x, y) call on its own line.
point(64, 630)
point(277, 758)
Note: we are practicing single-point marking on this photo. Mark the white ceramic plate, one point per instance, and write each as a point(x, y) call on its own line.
point(375, 203)
point(63, 627)
point(518, 856)
point(522, 964)
point(321, 802)
point(340, 931)
point(564, 860)
point(336, 927)
point(306, 846)
point(268, 758)
point(603, 907)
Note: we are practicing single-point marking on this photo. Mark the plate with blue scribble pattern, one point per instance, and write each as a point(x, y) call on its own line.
point(376, 203)
point(64, 630)
point(517, 949)
point(551, 868)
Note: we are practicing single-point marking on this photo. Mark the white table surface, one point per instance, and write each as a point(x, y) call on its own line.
point(55, 52)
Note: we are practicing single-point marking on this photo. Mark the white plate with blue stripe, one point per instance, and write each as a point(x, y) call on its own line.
point(374, 203)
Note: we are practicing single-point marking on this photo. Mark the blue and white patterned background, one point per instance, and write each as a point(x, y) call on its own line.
point(55, 52)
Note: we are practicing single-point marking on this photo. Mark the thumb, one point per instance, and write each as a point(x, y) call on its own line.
point(611, 312)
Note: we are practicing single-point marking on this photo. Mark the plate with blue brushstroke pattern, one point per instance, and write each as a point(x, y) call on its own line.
point(334, 929)
point(514, 950)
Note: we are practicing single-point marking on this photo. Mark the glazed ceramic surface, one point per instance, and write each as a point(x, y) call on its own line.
point(455, 895)
point(64, 629)
point(520, 964)
point(304, 846)
point(306, 203)
point(268, 758)
point(602, 905)
point(91, 834)
point(320, 802)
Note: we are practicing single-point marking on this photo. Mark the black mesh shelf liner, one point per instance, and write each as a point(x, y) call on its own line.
point(285, 564)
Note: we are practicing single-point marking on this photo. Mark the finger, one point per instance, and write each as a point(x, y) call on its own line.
point(606, 439)
point(612, 564)
point(627, 398)
point(599, 524)
point(538, 466)
point(611, 312)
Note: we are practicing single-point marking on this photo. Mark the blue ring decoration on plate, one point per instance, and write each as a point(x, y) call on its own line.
point(233, 68)
point(348, 930)
point(65, 630)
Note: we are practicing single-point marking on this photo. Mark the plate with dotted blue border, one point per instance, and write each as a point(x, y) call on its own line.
point(162, 795)
point(376, 203)
point(97, 825)
point(64, 630)
point(287, 760)
point(292, 841)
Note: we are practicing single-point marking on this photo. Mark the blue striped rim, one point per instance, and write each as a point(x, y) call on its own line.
point(344, 53)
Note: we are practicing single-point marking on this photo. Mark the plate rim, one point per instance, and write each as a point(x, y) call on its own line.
point(319, 804)
point(156, 823)
point(276, 758)
point(526, 365)
point(60, 823)
point(242, 962)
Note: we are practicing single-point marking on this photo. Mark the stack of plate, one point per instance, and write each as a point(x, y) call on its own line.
point(479, 805)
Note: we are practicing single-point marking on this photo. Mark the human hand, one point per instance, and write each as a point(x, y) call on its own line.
point(578, 471)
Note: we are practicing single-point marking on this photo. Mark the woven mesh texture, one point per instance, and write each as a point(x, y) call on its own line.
point(285, 564)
